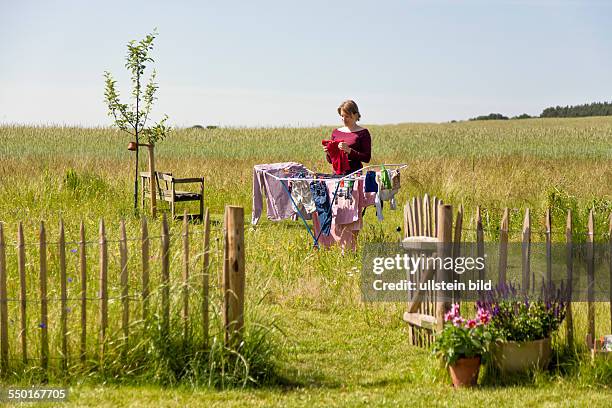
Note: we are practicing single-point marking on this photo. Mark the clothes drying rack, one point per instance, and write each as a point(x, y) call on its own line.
point(354, 176)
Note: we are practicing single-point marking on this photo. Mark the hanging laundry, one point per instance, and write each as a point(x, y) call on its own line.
point(321, 200)
point(302, 197)
point(340, 161)
point(370, 182)
point(386, 191)
point(279, 205)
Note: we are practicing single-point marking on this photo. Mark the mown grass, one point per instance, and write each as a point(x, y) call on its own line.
point(335, 349)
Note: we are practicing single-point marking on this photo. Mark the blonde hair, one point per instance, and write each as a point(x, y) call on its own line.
point(349, 106)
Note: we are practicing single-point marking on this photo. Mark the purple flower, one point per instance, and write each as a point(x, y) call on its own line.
point(42, 326)
point(74, 250)
point(69, 280)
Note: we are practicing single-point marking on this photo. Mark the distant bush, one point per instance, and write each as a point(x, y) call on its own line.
point(491, 116)
point(522, 116)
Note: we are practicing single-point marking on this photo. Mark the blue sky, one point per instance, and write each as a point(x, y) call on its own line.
point(276, 63)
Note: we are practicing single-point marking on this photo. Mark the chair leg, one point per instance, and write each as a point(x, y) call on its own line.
point(172, 209)
point(202, 209)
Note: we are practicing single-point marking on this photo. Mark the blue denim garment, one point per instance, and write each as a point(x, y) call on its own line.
point(324, 210)
point(370, 182)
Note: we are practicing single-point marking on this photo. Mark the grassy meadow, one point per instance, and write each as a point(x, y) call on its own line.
point(329, 348)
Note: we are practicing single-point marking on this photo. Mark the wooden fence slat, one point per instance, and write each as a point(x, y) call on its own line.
point(426, 216)
point(83, 275)
point(407, 220)
point(526, 252)
point(233, 286)
point(436, 203)
point(480, 246)
point(419, 216)
point(185, 288)
point(414, 215)
point(21, 262)
point(165, 275)
point(144, 244)
point(503, 247)
point(548, 247)
point(103, 296)
point(590, 281)
point(124, 278)
point(456, 246)
point(569, 318)
point(457, 233)
point(4, 354)
point(44, 334)
point(206, 277)
point(63, 296)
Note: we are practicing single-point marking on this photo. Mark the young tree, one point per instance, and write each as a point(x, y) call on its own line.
point(132, 118)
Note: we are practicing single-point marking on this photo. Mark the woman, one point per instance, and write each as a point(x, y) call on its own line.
point(354, 140)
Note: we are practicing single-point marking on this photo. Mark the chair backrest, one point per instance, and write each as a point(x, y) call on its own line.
point(164, 180)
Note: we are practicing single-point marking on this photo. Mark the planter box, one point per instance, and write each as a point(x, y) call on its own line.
point(515, 357)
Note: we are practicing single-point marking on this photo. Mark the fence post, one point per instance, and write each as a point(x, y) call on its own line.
point(590, 281)
point(185, 291)
point(124, 278)
point(233, 274)
point(445, 240)
point(165, 275)
point(145, 269)
point(63, 295)
point(526, 252)
point(569, 318)
point(4, 356)
point(206, 277)
point(44, 350)
point(103, 290)
point(21, 261)
point(503, 247)
point(83, 274)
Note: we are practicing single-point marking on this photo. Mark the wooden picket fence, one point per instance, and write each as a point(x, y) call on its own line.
point(232, 286)
point(431, 220)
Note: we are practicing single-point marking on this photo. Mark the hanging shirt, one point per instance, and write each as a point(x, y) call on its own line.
point(360, 143)
point(339, 159)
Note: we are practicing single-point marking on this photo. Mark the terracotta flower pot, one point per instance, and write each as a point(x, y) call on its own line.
point(464, 372)
point(515, 357)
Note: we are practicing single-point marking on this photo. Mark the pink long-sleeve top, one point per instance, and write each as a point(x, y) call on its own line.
point(360, 143)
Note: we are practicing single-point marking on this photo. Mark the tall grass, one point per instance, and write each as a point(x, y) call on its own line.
point(86, 174)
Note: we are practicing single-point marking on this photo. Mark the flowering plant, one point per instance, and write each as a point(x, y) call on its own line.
point(515, 317)
point(463, 337)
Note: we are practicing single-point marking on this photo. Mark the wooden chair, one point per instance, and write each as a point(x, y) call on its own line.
point(166, 191)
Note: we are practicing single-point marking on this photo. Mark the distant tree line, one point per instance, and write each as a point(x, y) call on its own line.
point(588, 109)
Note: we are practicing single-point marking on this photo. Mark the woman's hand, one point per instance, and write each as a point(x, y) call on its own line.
point(343, 146)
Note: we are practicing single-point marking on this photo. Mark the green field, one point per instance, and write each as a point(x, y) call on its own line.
point(332, 348)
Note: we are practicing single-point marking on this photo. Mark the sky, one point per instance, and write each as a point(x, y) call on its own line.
point(287, 63)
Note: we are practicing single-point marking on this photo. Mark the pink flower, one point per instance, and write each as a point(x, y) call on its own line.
point(453, 313)
point(471, 323)
point(458, 321)
point(483, 316)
